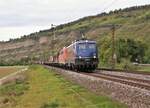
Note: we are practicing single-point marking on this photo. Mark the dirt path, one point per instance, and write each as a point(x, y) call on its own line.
point(12, 77)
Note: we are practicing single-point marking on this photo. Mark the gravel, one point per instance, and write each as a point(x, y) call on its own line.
point(132, 75)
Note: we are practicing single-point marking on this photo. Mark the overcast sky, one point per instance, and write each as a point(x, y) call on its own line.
point(21, 17)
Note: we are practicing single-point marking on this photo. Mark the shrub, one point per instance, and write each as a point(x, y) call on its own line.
point(127, 65)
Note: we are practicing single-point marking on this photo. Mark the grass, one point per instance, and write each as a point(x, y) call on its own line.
point(4, 71)
point(131, 67)
point(49, 90)
point(10, 93)
point(144, 68)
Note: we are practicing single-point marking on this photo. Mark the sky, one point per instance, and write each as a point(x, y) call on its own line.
point(22, 17)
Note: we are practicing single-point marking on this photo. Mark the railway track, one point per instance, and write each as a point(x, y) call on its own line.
point(135, 82)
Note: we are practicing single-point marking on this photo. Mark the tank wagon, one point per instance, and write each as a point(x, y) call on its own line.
point(80, 55)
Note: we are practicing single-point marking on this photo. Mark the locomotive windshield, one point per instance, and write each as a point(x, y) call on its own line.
point(82, 46)
point(85, 46)
point(91, 46)
point(86, 49)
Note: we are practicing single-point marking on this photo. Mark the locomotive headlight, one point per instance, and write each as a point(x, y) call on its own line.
point(94, 56)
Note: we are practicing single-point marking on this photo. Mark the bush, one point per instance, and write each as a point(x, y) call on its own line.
point(127, 65)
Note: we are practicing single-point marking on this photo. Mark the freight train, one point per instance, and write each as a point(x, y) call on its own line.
point(80, 55)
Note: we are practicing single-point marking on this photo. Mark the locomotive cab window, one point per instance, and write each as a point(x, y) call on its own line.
point(92, 46)
point(82, 46)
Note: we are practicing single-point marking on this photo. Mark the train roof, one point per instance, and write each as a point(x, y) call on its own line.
point(82, 41)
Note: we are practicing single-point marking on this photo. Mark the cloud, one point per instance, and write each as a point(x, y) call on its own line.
point(37, 12)
point(28, 12)
point(12, 32)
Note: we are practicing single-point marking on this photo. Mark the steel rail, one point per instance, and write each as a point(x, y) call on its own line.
point(123, 80)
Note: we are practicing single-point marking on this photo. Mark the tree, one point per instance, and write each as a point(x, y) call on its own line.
point(129, 48)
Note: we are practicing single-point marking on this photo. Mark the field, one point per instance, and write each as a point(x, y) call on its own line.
point(4, 71)
point(44, 88)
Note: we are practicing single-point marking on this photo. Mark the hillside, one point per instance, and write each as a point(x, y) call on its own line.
point(134, 24)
